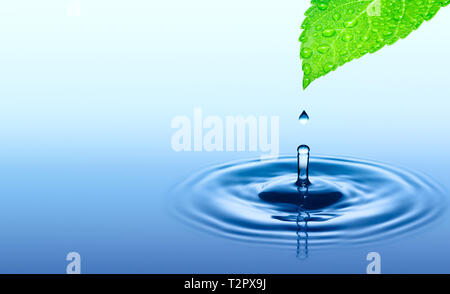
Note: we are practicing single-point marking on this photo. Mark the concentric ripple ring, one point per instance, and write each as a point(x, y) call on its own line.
point(349, 201)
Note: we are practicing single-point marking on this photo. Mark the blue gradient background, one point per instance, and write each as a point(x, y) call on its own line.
point(85, 111)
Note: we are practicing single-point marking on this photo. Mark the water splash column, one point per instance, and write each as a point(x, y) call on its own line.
point(303, 166)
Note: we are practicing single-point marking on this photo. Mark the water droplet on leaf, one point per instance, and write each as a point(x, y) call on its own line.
point(336, 16)
point(347, 37)
point(323, 6)
point(328, 33)
point(306, 53)
point(307, 68)
point(323, 49)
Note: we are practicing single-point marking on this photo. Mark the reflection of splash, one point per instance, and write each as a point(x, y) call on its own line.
point(302, 224)
point(302, 234)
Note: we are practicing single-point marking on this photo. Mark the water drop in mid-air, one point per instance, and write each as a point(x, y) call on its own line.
point(303, 118)
point(303, 165)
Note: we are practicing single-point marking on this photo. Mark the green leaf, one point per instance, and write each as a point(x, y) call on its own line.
point(337, 31)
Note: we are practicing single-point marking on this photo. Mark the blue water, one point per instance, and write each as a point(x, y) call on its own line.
point(86, 105)
point(347, 201)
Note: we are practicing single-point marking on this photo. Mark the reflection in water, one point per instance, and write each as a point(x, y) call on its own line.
point(302, 225)
point(302, 234)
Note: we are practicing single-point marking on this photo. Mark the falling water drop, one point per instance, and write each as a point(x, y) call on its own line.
point(303, 165)
point(303, 118)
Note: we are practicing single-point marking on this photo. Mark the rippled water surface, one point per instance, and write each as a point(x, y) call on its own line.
point(349, 201)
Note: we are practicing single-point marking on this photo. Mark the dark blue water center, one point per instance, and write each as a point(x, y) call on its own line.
point(314, 197)
point(348, 201)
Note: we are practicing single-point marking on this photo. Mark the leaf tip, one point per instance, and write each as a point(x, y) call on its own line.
point(306, 82)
